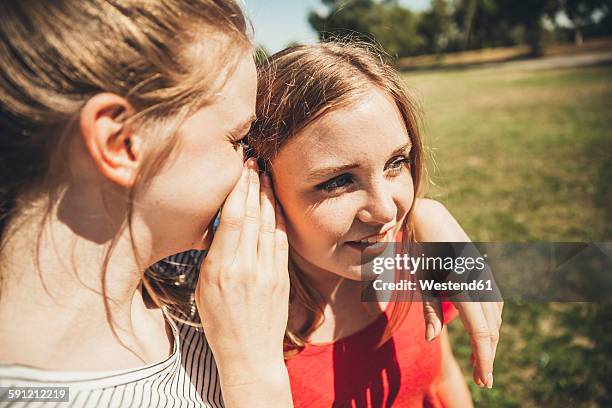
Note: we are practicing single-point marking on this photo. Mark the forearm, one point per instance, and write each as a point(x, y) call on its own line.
point(452, 388)
point(265, 386)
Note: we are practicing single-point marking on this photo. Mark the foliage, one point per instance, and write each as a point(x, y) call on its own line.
point(436, 26)
point(582, 14)
point(386, 23)
point(452, 25)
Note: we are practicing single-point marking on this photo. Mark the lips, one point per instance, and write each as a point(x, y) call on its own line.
point(372, 243)
point(375, 238)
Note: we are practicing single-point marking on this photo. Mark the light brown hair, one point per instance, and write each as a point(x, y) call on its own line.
point(165, 57)
point(296, 87)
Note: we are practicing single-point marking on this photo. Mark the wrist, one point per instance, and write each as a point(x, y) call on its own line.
point(244, 371)
point(255, 387)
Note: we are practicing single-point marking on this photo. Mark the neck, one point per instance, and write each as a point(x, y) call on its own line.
point(333, 288)
point(55, 274)
point(343, 311)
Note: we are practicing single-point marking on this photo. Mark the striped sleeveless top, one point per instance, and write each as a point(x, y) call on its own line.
point(187, 378)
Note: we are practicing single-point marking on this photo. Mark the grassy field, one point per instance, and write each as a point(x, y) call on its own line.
point(523, 156)
point(475, 57)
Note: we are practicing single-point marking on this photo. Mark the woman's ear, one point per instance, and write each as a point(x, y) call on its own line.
point(114, 148)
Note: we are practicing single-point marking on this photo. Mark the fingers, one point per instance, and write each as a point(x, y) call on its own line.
point(432, 312)
point(250, 229)
point(267, 228)
point(476, 325)
point(281, 245)
point(273, 247)
point(493, 316)
point(228, 233)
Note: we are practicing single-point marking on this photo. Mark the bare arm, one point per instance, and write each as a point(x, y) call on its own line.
point(452, 388)
point(434, 223)
point(482, 320)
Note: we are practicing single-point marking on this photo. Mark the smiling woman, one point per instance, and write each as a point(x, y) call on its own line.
point(345, 196)
point(340, 138)
point(342, 100)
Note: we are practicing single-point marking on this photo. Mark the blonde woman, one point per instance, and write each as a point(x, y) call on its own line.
point(120, 138)
point(340, 139)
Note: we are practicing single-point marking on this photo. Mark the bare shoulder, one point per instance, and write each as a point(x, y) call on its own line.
point(434, 223)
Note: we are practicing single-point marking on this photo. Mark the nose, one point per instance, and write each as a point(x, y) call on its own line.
point(379, 207)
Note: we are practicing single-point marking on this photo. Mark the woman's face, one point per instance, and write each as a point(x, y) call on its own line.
point(344, 183)
point(185, 196)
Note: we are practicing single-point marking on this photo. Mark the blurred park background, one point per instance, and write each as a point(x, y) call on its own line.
point(523, 155)
point(517, 117)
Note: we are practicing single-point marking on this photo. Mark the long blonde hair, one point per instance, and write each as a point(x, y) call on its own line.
point(296, 87)
point(165, 57)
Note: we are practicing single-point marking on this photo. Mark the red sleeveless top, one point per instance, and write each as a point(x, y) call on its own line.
point(354, 373)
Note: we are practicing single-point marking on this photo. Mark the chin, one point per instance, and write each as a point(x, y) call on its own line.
point(354, 273)
point(356, 269)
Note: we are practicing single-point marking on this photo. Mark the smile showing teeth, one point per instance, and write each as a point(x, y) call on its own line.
point(371, 245)
point(371, 240)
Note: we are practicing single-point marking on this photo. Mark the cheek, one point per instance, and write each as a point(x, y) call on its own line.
point(199, 180)
point(406, 195)
point(217, 176)
point(308, 222)
point(315, 229)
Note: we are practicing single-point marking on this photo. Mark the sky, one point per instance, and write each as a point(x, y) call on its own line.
point(279, 22)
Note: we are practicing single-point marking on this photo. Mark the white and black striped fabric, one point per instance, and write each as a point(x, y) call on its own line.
point(187, 378)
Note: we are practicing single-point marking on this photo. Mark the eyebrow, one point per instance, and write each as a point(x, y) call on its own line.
point(317, 174)
point(243, 127)
point(403, 148)
point(325, 171)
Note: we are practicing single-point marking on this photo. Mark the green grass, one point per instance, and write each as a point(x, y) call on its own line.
point(520, 156)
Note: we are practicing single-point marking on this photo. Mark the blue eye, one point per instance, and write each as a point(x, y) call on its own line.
point(336, 183)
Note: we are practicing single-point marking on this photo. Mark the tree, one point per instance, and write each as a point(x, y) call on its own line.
point(342, 18)
point(395, 28)
point(529, 15)
point(469, 8)
point(582, 13)
point(435, 26)
point(494, 23)
point(386, 23)
point(483, 25)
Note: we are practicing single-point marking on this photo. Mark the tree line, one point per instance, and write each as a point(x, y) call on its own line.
point(458, 25)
